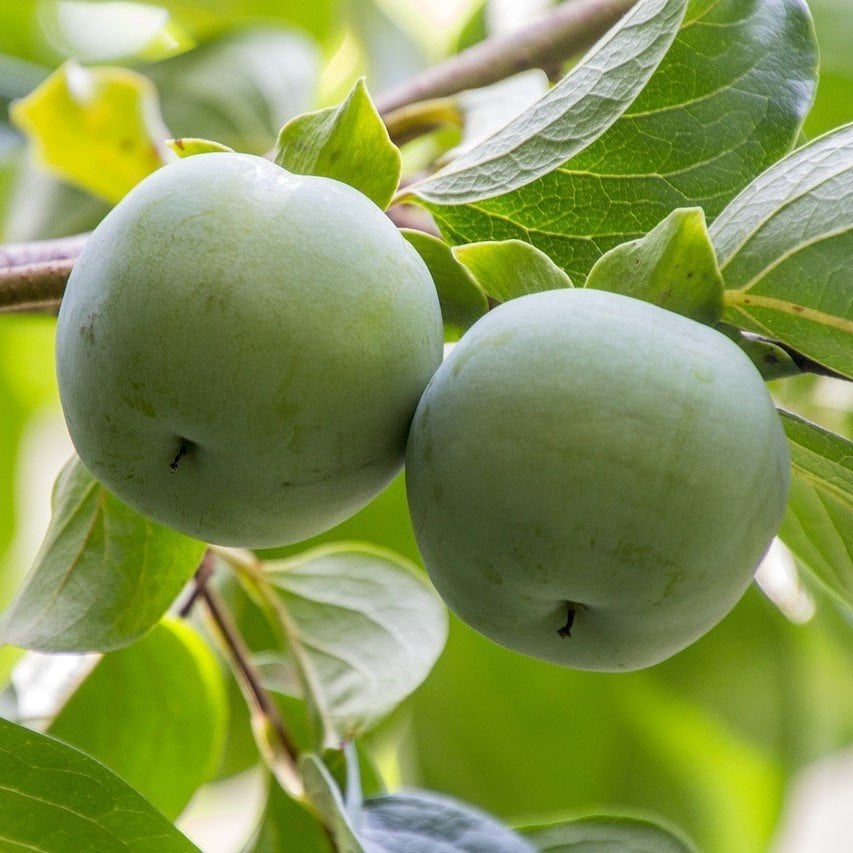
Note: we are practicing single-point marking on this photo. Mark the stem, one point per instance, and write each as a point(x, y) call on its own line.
point(21, 254)
point(566, 31)
point(35, 288)
point(413, 120)
point(274, 742)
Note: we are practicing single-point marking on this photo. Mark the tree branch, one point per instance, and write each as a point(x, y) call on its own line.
point(22, 254)
point(34, 287)
point(566, 31)
point(274, 742)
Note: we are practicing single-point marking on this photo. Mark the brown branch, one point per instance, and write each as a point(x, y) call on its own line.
point(34, 287)
point(570, 28)
point(40, 251)
point(271, 735)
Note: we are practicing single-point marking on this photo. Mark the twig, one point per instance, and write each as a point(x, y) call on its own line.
point(570, 28)
point(202, 575)
point(22, 254)
point(34, 287)
point(273, 739)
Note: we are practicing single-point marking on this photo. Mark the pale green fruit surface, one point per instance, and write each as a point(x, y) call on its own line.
point(277, 326)
point(585, 449)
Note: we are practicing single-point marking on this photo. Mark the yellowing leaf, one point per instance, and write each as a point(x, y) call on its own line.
point(188, 146)
point(99, 128)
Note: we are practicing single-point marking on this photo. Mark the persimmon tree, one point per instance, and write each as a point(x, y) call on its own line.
point(609, 465)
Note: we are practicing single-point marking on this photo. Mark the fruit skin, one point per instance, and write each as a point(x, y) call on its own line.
point(276, 325)
point(584, 448)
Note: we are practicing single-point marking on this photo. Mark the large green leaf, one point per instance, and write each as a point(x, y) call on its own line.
point(423, 821)
point(362, 628)
point(322, 791)
point(726, 101)
point(53, 797)
point(600, 833)
point(785, 246)
point(573, 114)
point(154, 713)
point(818, 523)
point(103, 577)
point(348, 142)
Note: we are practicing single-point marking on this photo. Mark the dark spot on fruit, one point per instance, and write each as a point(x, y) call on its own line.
point(87, 330)
point(185, 447)
point(571, 612)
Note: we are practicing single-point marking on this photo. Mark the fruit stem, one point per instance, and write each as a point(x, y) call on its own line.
point(274, 742)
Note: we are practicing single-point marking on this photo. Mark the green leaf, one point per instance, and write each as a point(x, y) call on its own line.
point(785, 246)
point(576, 112)
point(461, 299)
point(421, 820)
point(322, 791)
point(363, 630)
point(507, 269)
point(726, 101)
point(239, 89)
point(186, 146)
point(286, 825)
point(487, 110)
point(348, 142)
point(673, 266)
point(103, 577)
point(818, 523)
point(98, 128)
point(53, 797)
point(771, 361)
point(600, 833)
point(154, 713)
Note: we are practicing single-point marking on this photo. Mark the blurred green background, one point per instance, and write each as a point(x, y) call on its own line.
point(745, 739)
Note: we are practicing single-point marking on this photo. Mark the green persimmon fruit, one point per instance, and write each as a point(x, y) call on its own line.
point(240, 350)
point(593, 480)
